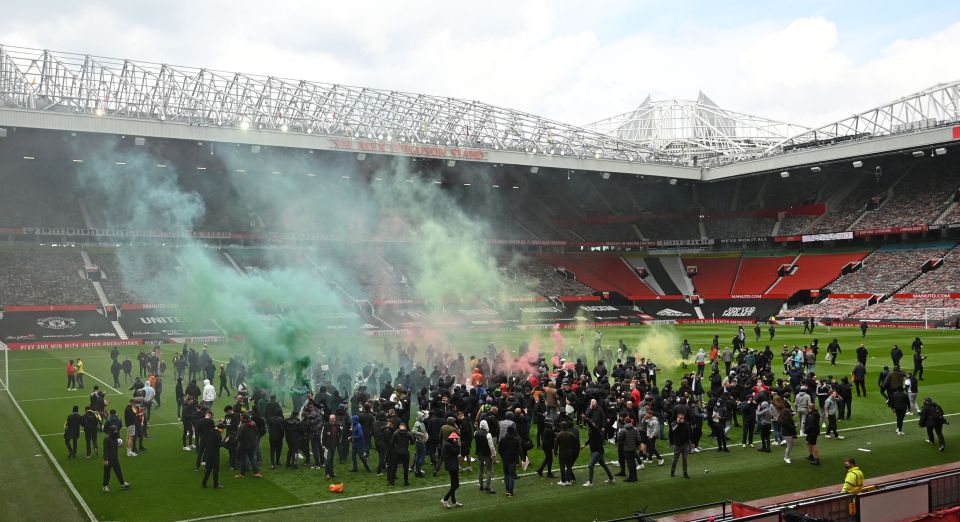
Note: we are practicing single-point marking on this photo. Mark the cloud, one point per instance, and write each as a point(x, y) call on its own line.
point(555, 59)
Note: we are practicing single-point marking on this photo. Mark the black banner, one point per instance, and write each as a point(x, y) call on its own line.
point(154, 324)
point(745, 309)
point(668, 309)
point(28, 327)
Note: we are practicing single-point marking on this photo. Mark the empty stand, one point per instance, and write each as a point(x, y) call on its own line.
point(814, 271)
point(715, 275)
point(758, 273)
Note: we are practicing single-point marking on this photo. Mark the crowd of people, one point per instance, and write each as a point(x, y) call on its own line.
point(495, 410)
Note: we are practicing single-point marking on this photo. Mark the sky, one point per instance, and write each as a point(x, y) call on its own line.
point(805, 62)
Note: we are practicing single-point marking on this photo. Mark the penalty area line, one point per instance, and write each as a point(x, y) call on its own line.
point(50, 457)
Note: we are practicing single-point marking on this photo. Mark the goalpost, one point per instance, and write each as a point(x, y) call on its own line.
point(940, 316)
point(4, 368)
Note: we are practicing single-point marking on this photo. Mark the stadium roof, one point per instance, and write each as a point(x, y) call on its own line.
point(697, 131)
point(678, 139)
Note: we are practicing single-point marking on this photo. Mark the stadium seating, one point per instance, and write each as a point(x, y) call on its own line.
point(840, 217)
point(886, 270)
point(828, 308)
point(45, 196)
point(792, 225)
point(757, 273)
point(908, 309)
point(602, 272)
point(814, 271)
point(44, 277)
point(730, 227)
point(548, 282)
point(715, 275)
point(945, 279)
point(917, 200)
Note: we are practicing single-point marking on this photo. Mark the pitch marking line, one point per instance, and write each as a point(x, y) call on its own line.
point(149, 426)
point(428, 488)
point(79, 397)
point(50, 457)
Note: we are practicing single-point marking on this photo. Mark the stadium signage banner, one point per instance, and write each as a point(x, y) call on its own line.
point(156, 324)
point(53, 327)
point(108, 232)
point(890, 230)
point(73, 344)
point(927, 296)
point(741, 240)
point(808, 238)
point(409, 149)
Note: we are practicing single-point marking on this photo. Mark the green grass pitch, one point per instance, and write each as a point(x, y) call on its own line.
point(166, 487)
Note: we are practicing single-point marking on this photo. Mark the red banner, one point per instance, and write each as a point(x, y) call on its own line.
point(890, 230)
point(73, 344)
point(927, 296)
point(850, 296)
point(784, 239)
point(576, 298)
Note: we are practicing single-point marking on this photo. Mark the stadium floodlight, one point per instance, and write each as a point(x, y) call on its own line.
point(857, 164)
point(605, 175)
point(815, 169)
point(496, 186)
point(673, 181)
point(451, 163)
point(785, 174)
point(361, 156)
point(284, 128)
point(918, 154)
point(516, 187)
point(534, 170)
point(78, 161)
point(244, 125)
point(310, 130)
point(940, 151)
point(466, 184)
point(28, 157)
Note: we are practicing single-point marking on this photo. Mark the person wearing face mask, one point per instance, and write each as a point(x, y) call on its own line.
point(853, 481)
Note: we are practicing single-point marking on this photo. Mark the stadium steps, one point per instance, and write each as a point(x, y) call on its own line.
point(651, 281)
point(639, 233)
point(121, 333)
point(659, 273)
point(890, 193)
point(946, 212)
point(703, 229)
point(736, 276)
point(233, 263)
point(674, 267)
point(87, 220)
point(815, 271)
point(779, 278)
point(834, 200)
point(757, 274)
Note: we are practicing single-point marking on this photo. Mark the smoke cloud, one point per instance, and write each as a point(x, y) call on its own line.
point(278, 308)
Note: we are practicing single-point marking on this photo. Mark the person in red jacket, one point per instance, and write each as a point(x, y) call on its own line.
point(71, 376)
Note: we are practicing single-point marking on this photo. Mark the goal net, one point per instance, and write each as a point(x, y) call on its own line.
point(944, 317)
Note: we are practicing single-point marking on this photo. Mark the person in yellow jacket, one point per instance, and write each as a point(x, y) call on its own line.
point(79, 373)
point(853, 482)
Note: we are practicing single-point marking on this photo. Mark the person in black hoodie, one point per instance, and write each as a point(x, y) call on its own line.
point(400, 443)
point(210, 449)
point(91, 427)
point(188, 418)
point(115, 372)
point(510, 449)
point(203, 428)
point(450, 455)
point(292, 432)
point(275, 425)
point(680, 438)
point(548, 443)
point(111, 459)
point(248, 440)
point(71, 431)
point(900, 403)
point(811, 428)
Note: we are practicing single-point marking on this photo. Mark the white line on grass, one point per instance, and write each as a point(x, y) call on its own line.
point(64, 397)
point(34, 369)
point(103, 383)
point(427, 488)
point(63, 474)
point(60, 434)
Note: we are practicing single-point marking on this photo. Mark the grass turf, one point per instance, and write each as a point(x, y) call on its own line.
point(165, 486)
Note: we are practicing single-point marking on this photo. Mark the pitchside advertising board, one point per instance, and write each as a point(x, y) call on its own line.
point(55, 328)
point(747, 309)
point(667, 309)
point(527, 314)
point(158, 324)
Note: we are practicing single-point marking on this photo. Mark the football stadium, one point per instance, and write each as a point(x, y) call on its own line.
point(226, 295)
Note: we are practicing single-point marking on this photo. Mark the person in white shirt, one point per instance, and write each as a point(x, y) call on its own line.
point(209, 393)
